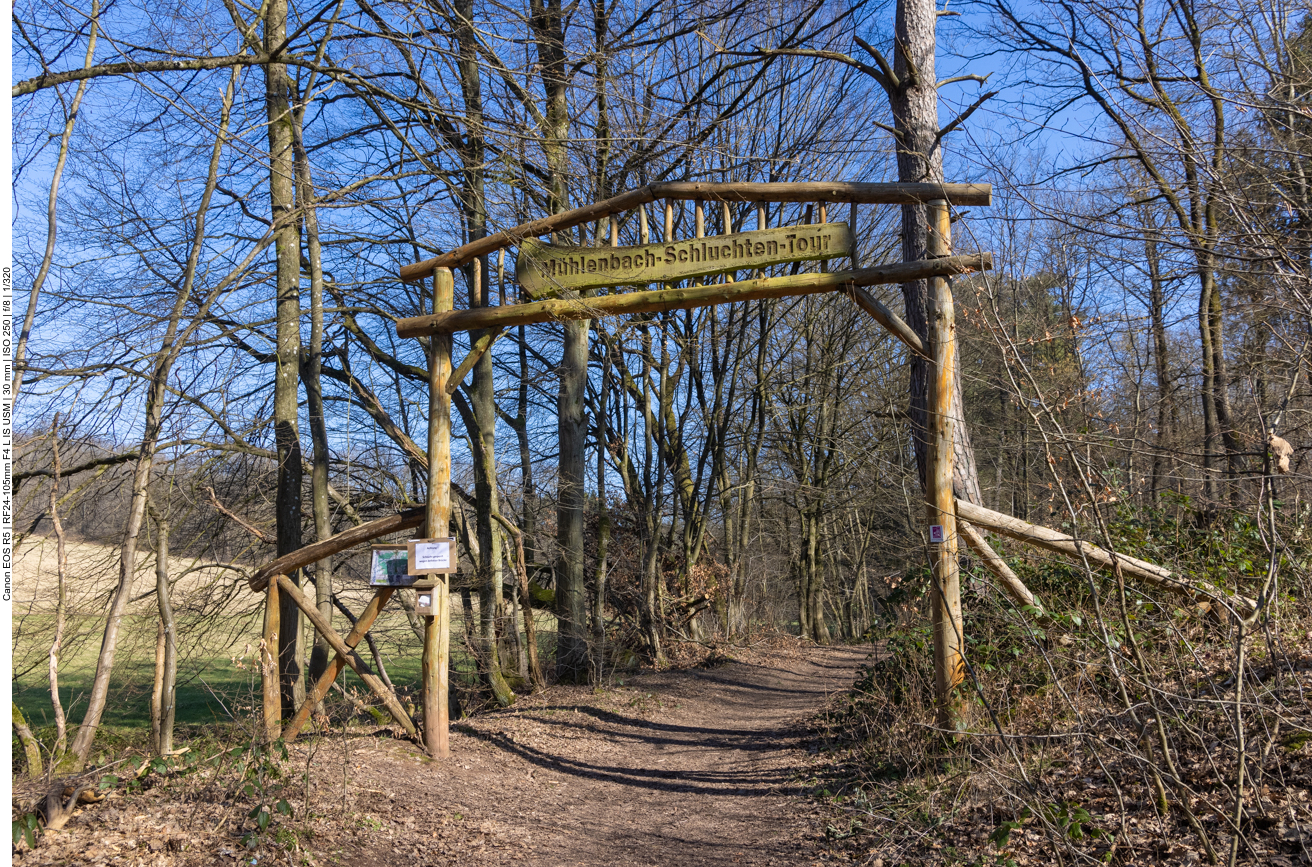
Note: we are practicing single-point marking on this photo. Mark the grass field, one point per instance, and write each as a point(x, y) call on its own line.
point(219, 629)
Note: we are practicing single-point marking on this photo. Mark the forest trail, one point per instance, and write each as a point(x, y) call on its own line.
point(692, 767)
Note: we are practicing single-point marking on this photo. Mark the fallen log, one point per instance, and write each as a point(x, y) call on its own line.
point(1131, 567)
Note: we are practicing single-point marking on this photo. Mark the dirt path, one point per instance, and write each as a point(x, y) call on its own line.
point(694, 767)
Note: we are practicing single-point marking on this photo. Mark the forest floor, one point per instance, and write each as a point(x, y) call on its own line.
point(705, 765)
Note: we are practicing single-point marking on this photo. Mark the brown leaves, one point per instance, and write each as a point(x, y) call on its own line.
point(1281, 452)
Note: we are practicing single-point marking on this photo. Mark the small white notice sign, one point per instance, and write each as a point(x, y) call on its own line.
point(432, 556)
point(936, 534)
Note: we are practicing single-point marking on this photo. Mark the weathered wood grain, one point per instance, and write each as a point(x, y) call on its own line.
point(879, 194)
point(679, 299)
point(544, 270)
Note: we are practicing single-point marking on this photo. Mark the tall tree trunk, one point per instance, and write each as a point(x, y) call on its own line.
point(571, 596)
point(600, 28)
point(1161, 363)
point(603, 532)
point(312, 376)
point(652, 613)
point(528, 520)
point(491, 602)
point(914, 99)
point(548, 24)
point(287, 353)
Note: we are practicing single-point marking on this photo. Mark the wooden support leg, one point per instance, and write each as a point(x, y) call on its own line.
point(339, 662)
point(949, 667)
point(1010, 582)
point(437, 629)
point(376, 686)
point(436, 665)
point(269, 664)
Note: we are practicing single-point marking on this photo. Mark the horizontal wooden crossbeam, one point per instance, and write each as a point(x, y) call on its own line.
point(661, 300)
point(875, 194)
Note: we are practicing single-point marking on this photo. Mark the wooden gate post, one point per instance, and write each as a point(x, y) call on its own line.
point(437, 523)
point(949, 668)
point(269, 663)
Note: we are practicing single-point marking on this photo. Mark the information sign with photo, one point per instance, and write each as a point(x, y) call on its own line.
point(390, 566)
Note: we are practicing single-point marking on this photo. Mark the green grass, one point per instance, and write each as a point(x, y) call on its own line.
point(211, 687)
point(218, 681)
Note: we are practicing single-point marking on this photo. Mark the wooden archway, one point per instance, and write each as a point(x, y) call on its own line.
point(443, 321)
point(948, 518)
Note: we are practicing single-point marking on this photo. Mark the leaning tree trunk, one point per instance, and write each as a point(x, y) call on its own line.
point(52, 225)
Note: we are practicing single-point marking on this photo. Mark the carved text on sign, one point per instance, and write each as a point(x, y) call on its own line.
point(545, 269)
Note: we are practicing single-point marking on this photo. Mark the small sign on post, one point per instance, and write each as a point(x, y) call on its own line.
point(936, 536)
point(424, 604)
point(432, 556)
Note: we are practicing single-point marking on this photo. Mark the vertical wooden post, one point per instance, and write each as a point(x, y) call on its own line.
point(269, 663)
point(949, 668)
point(437, 630)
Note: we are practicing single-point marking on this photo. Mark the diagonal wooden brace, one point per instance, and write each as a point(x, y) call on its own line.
point(375, 685)
point(481, 345)
point(887, 318)
point(325, 681)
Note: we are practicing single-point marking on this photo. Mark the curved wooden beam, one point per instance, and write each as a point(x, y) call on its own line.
point(302, 557)
point(836, 191)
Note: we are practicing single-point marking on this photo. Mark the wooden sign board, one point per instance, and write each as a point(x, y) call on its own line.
point(389, 566)
point(545, 269)
point(432, 556)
